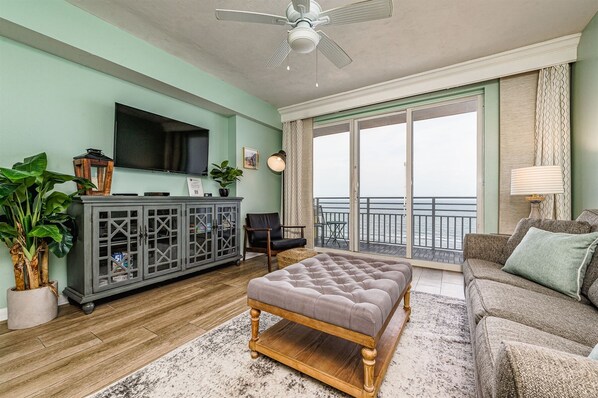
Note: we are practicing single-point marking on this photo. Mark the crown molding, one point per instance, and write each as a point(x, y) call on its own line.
point(512, 62)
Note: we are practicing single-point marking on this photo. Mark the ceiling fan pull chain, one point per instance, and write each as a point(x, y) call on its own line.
point(317, 85)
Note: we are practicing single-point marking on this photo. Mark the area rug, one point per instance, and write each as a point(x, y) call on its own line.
point(434, 359)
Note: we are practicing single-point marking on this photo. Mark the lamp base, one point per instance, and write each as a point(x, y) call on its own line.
point(535, 201)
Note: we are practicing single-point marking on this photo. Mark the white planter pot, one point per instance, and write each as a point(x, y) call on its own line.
point(29, 308)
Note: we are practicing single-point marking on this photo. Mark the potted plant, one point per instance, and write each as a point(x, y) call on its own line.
point(33, 223)
point(225, 175)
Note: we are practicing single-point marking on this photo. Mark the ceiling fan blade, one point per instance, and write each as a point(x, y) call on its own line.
point(279, 55)
point(333, 51)
point(248, 16)
point(359, 12)
point(301, 6)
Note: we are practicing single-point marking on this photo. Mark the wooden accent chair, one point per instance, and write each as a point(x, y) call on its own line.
point(264, 234)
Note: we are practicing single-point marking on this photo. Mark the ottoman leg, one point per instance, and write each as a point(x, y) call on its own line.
point(255, 330)
point(407, 302)
point(369, 361)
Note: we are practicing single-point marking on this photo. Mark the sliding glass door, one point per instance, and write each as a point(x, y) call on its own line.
point(382, 184)
point(445, 174)
point(331, 179)
point(405, 184)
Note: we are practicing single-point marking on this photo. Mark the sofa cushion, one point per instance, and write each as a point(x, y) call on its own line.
point(491, 332)
point(555, 260)
point(568, 227)
point(590, 216)
point(282, 244)
point(480, 269)
point(530, 371)
point(562, 317)
point(593, 293)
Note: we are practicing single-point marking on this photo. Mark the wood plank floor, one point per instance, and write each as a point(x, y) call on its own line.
point(77, 354)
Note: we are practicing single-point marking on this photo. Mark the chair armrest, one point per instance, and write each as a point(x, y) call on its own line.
point(485, 247)
point(256, 229)
point(293, 226)
point(526, 371)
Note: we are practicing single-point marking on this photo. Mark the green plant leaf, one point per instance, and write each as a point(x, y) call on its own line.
point(16, 175)
point(61, 248)
point(7, 189)
point(46, 231)
point(56, 202)
point(224, 164)
point(35, 165)
point(56, 218)
point(7, 232)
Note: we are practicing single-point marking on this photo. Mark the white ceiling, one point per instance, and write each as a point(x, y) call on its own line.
point(422, 35)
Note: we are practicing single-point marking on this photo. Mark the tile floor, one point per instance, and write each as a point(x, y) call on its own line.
point(436, 281)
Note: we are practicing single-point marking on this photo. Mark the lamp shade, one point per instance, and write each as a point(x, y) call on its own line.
point(278, 161)
point(537, 180)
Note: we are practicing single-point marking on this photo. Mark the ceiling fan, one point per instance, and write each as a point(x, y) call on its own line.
point(303, 16)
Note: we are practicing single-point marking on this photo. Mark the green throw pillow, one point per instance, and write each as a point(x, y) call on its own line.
point(594, 353)
point(555, 260)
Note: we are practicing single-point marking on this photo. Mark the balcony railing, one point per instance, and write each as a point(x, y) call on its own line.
point(438, 222)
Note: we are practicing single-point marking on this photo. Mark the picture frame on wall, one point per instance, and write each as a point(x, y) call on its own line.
point(251, 158)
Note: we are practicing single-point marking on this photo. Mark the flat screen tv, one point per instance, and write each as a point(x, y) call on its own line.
point(144, 140)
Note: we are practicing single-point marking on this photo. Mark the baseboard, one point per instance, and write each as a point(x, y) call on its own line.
point(62, 300)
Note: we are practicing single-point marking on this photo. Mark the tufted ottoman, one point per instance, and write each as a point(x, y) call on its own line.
point(341, 314)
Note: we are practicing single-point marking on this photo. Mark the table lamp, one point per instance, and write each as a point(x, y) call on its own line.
point(536, 181)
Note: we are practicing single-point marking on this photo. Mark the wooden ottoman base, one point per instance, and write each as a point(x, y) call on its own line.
point(349, 361)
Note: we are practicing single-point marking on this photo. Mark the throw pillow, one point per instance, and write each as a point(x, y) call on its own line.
point(594, 353)
point(555, 260)
point(593, 292)
point(568, 227)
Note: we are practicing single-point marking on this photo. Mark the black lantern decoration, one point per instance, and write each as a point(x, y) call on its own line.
point(96, 167)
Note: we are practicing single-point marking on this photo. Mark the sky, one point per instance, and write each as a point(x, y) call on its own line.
point(444, 159)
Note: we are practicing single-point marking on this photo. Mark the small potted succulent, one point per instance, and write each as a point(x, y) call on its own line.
point(225, 175)
point(33, 224)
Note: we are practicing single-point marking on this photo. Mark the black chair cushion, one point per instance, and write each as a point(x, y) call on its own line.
point(264, 220)
point(282, 244)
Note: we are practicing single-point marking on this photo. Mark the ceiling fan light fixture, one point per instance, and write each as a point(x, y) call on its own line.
point(303, 39)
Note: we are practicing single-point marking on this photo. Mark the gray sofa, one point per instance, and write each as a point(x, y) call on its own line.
point(529, 340)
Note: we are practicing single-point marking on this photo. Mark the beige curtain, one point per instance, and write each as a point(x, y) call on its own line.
point(553, 135)
point(297, 142)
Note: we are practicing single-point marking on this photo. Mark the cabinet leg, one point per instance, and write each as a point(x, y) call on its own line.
point(255, 330)
point(88, 307)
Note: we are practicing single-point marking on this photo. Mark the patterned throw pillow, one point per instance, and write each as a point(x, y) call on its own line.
point(554, 260)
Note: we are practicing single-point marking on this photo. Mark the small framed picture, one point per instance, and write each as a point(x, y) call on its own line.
point(195, 186)
point(251, 158)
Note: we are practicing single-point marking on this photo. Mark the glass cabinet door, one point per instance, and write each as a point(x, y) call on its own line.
point(162, 239)
point(199, 233)
point(227, 230)
point(117, 256)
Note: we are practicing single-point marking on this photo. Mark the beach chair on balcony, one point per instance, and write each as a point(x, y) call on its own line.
point(319, 225)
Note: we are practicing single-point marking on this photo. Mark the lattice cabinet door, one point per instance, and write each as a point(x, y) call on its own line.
point(227, 238)
point(117, 255)
point(163, 239)
point(200, 235)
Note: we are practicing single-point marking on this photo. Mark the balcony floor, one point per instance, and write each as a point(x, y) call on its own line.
point(419, 253)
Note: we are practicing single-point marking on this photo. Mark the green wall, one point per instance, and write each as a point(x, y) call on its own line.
point(584, 121)
point(261, 187)
point(53, 105)
point(68, 24)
